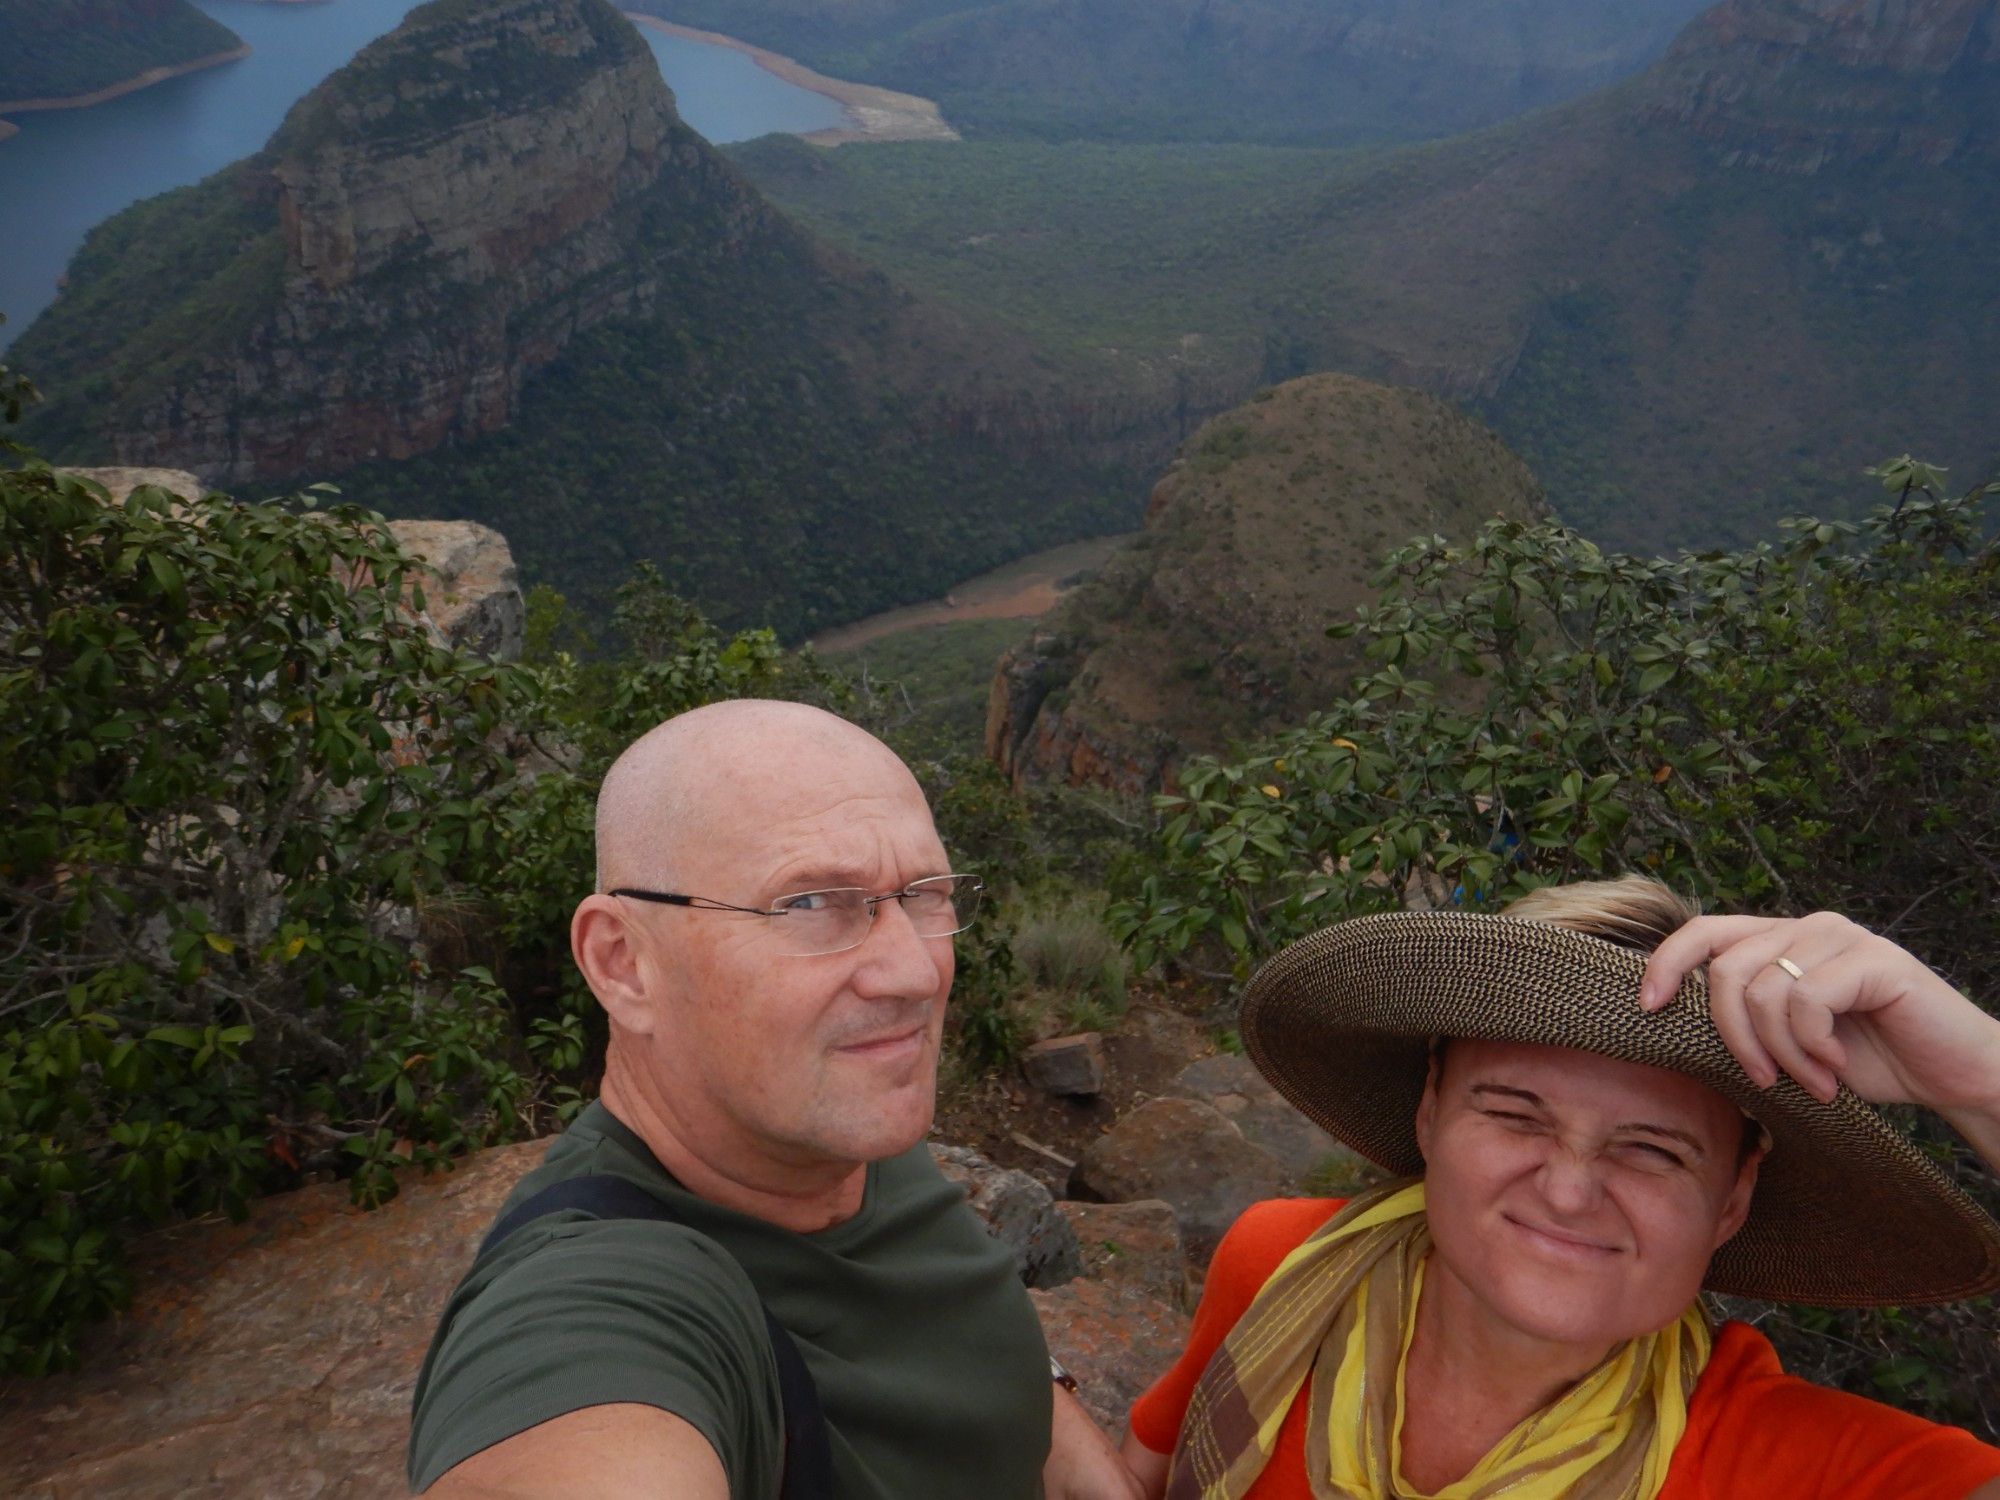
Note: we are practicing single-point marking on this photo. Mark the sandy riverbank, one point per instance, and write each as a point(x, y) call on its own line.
point(130, 86)
point(872, 114)
point(1024, 589)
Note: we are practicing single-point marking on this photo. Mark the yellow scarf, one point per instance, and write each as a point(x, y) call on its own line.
point(1342, 1308)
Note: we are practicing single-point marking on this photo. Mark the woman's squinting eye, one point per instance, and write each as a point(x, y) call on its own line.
point(1514, 1119)
point(1649, 1153)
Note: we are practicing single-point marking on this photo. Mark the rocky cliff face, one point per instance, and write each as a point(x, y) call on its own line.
point(446, 214)
point(1793, 85)
point(1210, 627)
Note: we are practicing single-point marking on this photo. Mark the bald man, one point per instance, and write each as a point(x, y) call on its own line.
point(771, 939)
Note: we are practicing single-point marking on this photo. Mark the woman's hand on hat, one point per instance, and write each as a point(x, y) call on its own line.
point(1860, 1011)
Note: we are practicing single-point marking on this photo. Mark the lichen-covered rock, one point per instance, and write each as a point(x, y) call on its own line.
point(1132, 1244)
point(476, 600)
point(1190, 1155)
point(1116, 1340)
point(1313, 1161)
point(1019, 1212)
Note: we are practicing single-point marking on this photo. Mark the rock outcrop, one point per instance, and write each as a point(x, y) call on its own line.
point(1798, 84)
point(1019, 1212)
point(1313, 1162)
point(1186, 1154)
point(1210, 627)
point(275, 1357)
point(474, 601)
point(1115, 1339)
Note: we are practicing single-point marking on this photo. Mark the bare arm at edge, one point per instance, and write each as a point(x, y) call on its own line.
point(1150, 1468)
point(1987, 1491)
point(619, 1452)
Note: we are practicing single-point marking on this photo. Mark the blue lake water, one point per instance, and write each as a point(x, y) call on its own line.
point(71, 169)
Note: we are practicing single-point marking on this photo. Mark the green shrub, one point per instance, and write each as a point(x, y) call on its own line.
point(232, 761)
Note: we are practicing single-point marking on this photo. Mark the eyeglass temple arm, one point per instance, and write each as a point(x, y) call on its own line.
point(669, 898)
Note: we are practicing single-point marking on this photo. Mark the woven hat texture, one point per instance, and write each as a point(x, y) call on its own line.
point(1846, 1212)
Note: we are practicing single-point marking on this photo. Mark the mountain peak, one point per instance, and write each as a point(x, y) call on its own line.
point(515, 122)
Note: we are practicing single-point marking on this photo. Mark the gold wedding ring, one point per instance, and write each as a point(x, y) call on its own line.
point(1789, 967)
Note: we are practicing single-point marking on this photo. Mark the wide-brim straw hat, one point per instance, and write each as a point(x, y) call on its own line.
point(1847, 1212)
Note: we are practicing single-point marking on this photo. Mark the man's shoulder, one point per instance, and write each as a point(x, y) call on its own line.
point(571, 1310)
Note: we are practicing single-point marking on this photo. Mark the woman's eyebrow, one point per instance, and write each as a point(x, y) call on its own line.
point(1526, 1096)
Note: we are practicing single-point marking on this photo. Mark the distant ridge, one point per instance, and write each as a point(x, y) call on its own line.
point(1695, 302)
point(69, 53)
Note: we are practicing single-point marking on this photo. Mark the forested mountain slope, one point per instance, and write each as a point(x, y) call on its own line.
point(1688, 301)
point(1328, 72)
point(485, 271)
point(58, 49)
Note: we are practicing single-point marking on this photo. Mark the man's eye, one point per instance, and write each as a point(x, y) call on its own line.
point(806, 901)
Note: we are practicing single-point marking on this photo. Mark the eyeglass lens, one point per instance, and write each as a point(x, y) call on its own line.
point(816, 922)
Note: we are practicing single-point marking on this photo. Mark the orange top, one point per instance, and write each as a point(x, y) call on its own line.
point(1754, 1432)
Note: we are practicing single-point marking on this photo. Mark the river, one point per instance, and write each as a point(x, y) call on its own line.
point(69, 170)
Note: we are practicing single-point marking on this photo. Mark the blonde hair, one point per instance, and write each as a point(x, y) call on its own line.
point(1634, 911)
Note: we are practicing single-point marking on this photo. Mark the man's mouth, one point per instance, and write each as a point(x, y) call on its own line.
point(888, 1043)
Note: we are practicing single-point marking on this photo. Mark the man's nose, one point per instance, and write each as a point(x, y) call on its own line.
point(895, 962)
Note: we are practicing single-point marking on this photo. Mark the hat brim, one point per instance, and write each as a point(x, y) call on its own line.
point(1847, 1212)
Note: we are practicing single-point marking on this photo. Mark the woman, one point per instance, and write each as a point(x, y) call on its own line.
point(1600, 1136)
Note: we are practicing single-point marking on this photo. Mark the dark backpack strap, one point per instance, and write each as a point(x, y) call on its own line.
point(808, 1452)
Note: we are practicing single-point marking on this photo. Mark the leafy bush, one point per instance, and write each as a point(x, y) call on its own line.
point(1786, 727)
point(232, 761)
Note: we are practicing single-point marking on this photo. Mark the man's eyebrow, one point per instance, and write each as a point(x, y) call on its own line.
point(799, 878)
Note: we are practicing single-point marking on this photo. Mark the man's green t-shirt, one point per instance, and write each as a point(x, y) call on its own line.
point(927, 1353)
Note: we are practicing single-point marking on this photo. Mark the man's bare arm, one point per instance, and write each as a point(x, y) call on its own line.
point(1083, 1464)
point(621, 1452)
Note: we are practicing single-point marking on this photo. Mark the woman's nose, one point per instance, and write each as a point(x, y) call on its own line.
point(1569, 1178)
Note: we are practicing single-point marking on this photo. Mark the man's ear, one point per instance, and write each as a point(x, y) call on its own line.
point(606, 945)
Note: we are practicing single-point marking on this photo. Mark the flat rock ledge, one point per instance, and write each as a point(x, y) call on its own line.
point(274, 1359)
